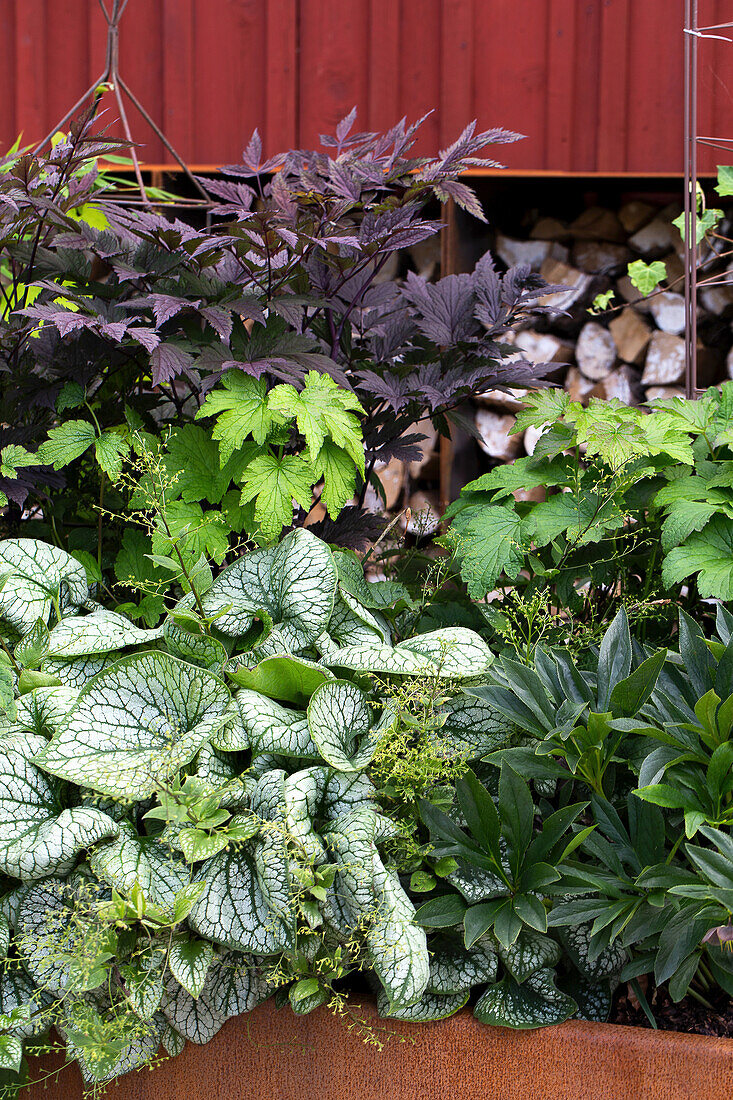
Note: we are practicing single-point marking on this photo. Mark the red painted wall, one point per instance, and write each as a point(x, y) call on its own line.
point(595, 84)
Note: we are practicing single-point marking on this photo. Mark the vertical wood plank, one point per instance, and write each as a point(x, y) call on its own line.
point(67, 59)
point(562, 45)
point(281, 74)
point(419, 69)
point(384, 105)
point(655, 118)
point(9, 120)
point(511, 77)
point(613, 83)
point(585, 59)
point(31, 88)
point(231, 78)
point(457, 101)
point(176, 119)
point(142, 45)
point(333, 65)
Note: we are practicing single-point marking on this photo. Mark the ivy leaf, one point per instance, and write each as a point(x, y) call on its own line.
point(647, 277)
point(725, 181)
point(704, 222)
point(273, 483)
point(321, 409)
point(241, 409)
point(110, 449)
point(66, 443)
point(136, 724)
point(338, 471)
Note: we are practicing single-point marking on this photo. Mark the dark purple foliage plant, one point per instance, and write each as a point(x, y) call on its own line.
point(265, 354)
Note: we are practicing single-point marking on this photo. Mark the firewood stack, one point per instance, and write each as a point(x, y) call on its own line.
point(634, 351)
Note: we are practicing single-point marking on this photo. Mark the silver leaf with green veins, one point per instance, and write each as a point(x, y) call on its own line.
point(136, 724)
point(431, 1006)
point(37, 837)
point(529, 953)
point(266, 727)
point(101, 632)
point(78, 671)
point(295, 583)
point(397, 947)
point(455, 969)
point(233, 985)
point(42, 711)
point(131, 859)
point(449, 653)
point(189, 959)
point(339, 724)
point(38, 574)
point(537, 1002)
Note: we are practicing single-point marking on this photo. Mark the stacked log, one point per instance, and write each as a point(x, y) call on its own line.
point(633, 351)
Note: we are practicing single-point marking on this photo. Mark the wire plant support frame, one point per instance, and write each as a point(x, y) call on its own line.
point(110, 80)
point(693, 34)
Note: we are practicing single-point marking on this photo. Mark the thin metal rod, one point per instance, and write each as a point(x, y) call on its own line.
point(111, 81)
point(159, 133)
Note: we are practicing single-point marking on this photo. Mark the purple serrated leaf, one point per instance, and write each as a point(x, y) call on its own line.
point(167, 362)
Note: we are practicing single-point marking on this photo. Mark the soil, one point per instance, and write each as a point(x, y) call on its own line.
point(687, 1015)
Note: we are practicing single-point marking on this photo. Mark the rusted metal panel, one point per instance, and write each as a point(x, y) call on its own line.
point(596, 85)
point(269, 1054)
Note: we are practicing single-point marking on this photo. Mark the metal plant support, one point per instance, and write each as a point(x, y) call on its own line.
point(110, 80)
point(693, 33)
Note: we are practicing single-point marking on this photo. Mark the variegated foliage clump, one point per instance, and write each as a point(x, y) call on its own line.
point(190, 818)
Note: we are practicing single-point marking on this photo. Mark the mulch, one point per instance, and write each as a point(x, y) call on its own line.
point(686, 1015)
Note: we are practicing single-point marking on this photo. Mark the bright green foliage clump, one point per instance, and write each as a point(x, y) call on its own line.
point(630, 495)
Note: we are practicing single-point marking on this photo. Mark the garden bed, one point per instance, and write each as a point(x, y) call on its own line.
point(270, 1054)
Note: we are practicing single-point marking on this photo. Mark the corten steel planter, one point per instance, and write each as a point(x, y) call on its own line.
point(274, 1055)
